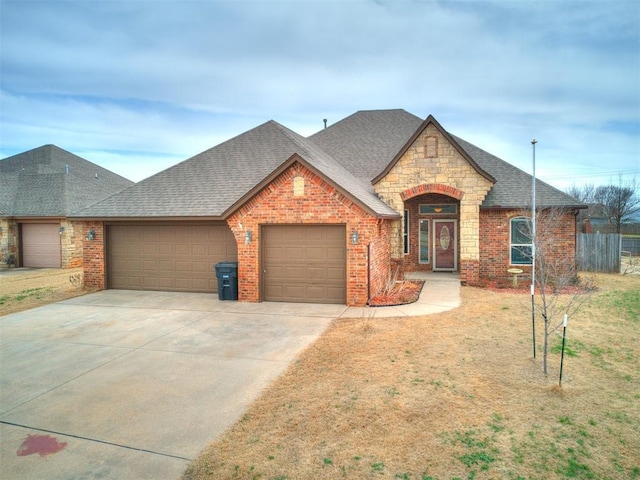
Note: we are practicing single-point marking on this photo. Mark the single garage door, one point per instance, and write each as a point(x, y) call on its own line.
point(41, 245)
point(304, 263)
point(167, 257)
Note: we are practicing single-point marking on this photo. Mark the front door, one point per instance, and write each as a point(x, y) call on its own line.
point(445, 245)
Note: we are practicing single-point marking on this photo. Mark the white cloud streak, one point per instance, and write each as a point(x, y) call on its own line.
point(173, 78)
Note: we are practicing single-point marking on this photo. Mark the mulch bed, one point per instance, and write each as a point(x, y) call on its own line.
point(402, 293)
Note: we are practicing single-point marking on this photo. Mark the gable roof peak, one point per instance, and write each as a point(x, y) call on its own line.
point(431, 120)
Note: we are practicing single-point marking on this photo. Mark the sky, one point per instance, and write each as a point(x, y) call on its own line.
point(137, 86)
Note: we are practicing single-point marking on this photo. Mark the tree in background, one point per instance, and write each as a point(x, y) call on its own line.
point(621, 203)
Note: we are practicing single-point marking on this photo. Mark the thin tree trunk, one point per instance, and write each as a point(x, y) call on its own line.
point(545, 345)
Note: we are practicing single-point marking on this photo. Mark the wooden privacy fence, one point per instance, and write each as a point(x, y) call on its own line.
point(599, 252)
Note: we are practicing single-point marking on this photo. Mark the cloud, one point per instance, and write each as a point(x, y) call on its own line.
point(174, 78)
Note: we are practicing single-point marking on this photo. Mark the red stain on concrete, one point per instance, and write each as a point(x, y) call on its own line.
point(40, 444)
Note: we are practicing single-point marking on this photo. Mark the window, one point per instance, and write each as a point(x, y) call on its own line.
point(521, 244)
point(405, 232)
point(424, 241)
point(442, 209)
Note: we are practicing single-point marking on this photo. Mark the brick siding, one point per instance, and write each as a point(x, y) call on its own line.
point(93, 255)
point(557, 239)
point(312, 201)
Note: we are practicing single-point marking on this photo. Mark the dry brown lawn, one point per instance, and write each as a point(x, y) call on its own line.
point(450, 396)
point(24, 289)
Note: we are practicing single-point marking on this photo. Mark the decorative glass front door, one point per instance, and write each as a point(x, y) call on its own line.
point(445, 245)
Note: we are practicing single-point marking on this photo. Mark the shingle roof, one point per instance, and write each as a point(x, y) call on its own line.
point(349, 153)
point(212, 182)
point(365, 142)
point(513, 186)
point(51, 182)
point(369, 140)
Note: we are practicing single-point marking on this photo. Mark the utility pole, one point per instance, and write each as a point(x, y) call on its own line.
point(533, 248)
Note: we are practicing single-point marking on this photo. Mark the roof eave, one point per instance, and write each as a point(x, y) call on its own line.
point(528, 207)
point(159, 218)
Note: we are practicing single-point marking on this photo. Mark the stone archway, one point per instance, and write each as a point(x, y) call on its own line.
point(438, 188)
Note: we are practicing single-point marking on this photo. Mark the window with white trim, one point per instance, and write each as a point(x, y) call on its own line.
point(521, 244)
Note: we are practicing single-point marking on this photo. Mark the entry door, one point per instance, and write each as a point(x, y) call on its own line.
point(445, 245)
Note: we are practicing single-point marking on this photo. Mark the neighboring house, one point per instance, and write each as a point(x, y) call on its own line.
point(594, 219)
point(321, 219)
point(38, 191)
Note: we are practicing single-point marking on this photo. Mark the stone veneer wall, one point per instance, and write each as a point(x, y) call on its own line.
point(432, 159)
point(8, 241)
point(71, 242)
point(299, 196)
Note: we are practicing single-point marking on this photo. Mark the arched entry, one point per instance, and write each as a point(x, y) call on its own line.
point(431, 219)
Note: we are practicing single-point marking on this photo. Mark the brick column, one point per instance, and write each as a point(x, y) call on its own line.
point(93, 256)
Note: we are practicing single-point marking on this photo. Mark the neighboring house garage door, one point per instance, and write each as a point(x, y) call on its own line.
point(167, 257)
point(304, 263)
point(41, 245)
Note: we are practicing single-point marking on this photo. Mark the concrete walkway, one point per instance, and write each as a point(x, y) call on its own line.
point(441, 292)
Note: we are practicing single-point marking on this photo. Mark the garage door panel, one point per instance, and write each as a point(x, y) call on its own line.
point(316, 273)
point(166, 249)
point(294, 271)
point(304, 263)
point(41, 245)
point(335, 274)
point(176, 257)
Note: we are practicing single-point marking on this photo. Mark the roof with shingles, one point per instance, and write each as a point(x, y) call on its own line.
point(349, 154)
point(365, 142)
point(51, 182)
point(211, 183)
point(369, 140)
point(513, 186)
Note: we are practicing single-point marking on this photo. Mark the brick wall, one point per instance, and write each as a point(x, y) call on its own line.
point(299, 196)
point(556, 236)
point(93, 255)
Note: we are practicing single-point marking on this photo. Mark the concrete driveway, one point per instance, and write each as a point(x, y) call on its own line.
point(125, 384)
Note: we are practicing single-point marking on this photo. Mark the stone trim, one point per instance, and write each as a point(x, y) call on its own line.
point(443, 189)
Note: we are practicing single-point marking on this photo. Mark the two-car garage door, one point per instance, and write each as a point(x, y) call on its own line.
point(300, 263)
point(174, 257)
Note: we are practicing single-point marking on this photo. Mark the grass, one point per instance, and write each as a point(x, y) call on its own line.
point(450, 396)
point(37, 293)
point(30, 289)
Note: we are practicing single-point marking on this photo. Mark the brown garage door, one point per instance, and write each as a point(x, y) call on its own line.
point(304, 263)
point(167, 257)
point(41, 245)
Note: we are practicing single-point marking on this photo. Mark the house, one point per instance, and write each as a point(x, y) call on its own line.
point(38, 191)
point(326, 218)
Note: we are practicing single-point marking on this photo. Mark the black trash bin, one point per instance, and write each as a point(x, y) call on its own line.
point(227, 275)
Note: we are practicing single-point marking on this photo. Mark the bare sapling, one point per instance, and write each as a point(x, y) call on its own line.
point(559, 290)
